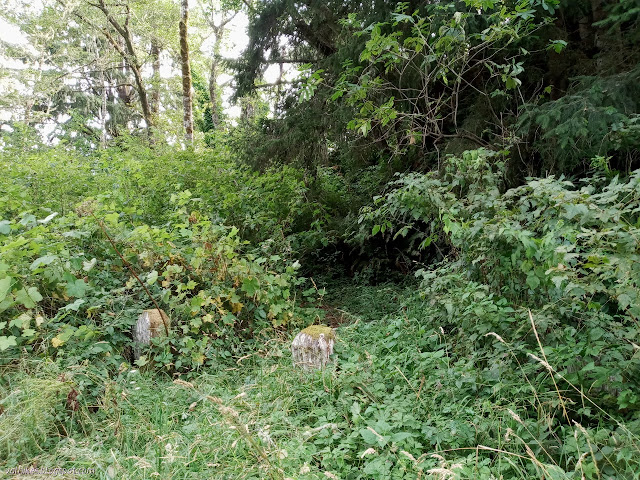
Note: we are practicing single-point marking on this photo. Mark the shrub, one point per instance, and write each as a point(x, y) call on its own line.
point(67, 290)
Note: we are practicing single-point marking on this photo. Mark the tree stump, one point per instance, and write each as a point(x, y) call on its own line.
point(149, 325)
point(313, 346)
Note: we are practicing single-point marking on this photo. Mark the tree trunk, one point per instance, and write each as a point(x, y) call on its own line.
point(247, 110)
point(155, 92)
point(103, 111)
point(128, 54)
point(213, 93)
point(187, 99)
point(218, 35)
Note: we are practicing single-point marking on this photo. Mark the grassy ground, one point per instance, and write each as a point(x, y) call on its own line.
point(399, 403)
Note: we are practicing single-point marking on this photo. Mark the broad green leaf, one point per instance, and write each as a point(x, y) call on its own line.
point(152, 277)
point(398, 437)
point(112, 218)
point(142, 361)
point(75, 306)
point(250, 286)
point(229, 319)
point(5, 227)
point(533, 281)
point(46, 260)
point(6, 342)
point(35, 294)
point(28, 219)
point(21, 322)
point(76, 288)
point(5, 286)
point(29, 297)
point(369, 437)
point(624, 300)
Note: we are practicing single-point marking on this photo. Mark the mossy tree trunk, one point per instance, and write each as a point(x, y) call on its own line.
point(187, 98)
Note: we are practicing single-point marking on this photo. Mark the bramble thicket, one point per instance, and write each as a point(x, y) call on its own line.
point(454, 186)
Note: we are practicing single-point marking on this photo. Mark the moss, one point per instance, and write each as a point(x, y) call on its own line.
point(314, 331)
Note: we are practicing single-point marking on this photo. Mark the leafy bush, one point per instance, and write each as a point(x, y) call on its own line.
point(142, 178)
point(598, 117)
point(416, 205)
point(66, 290)
point(568, 254)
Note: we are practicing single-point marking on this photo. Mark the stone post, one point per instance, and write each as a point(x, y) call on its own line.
point(313, 346)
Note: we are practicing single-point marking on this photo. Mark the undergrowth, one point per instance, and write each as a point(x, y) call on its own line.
point(515, 356)
point(407, 398)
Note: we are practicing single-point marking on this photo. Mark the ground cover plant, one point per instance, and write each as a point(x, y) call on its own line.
point(454, 187)
point(428, 379)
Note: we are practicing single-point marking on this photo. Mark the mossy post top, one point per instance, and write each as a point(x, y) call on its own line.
point(315, 331)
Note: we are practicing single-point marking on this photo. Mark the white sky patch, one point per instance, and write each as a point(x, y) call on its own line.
point(235, 42)
point(11, 34)
point(272, 73)
point(236, 39)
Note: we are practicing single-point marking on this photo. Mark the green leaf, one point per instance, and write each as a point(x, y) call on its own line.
point(369, 437)
point(355, 409)
point(512, 82)
point(196, 304)
point(5, 227)
point(229, 319)
point(152, 277)
point(557, 45)
point(6, 342)
point(250, 286)
point(5, 286)
point(76, 288)
point(46, 260)
point(28, 219)
point(35, 294)
point(624, 300)
point(21, 322)
point(29, 297)
point(142, 361)
point(554, 472)
point(112, 218)
point(398, 437)
point(75, 306)
point(533, 281)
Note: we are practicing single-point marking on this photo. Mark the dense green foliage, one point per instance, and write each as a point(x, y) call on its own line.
point(410, 395)
point(453, 185)
point(62, 270)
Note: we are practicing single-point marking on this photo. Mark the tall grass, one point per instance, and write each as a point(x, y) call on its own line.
point(404, 400)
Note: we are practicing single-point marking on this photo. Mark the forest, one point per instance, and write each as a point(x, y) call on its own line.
point(453, 187)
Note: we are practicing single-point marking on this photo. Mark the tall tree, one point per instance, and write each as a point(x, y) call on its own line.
point(155, 79)
point(218, 19)
point(125, 46)
point(187, 96)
